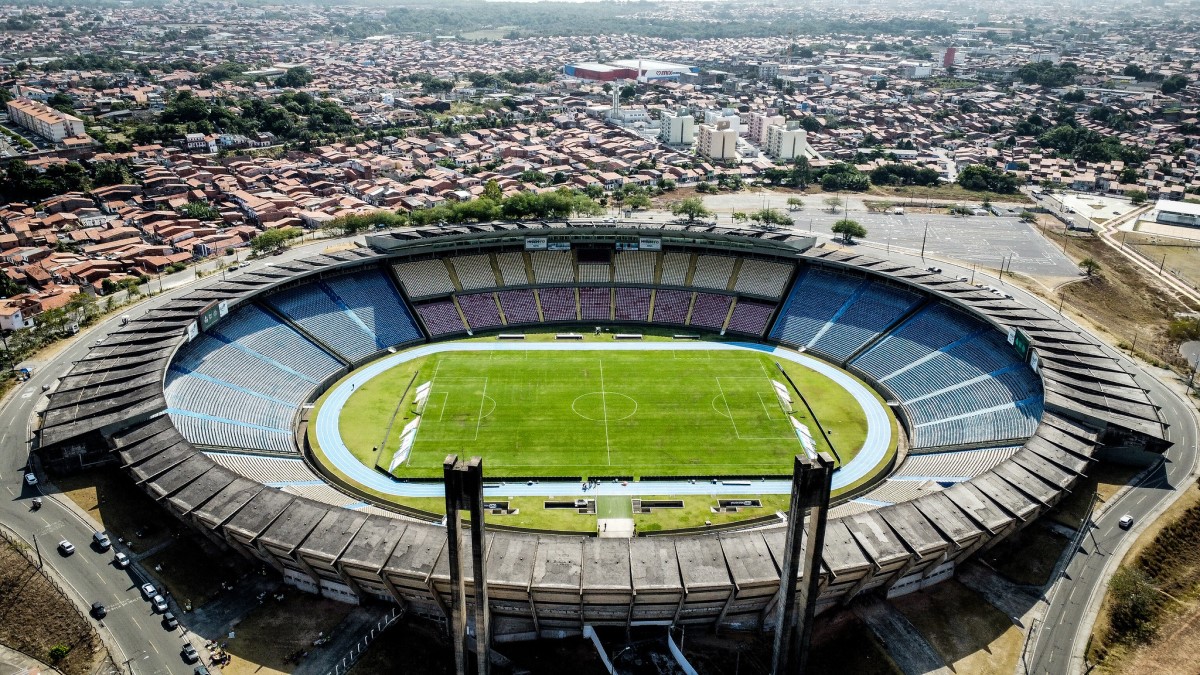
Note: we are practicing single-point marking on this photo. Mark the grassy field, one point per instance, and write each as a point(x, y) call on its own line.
point(570, 413)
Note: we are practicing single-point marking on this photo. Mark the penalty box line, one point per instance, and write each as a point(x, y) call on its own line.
point(729, 411)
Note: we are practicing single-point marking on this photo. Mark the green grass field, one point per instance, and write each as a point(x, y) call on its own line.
point(597, 413)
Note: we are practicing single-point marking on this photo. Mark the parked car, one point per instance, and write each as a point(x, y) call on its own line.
point(1126, 522)
point(30, 478)
point(121, 560)
point(101, 541)
point(149, 591)
point(200, 670)
point(65, 547)
point(169, 621)
point(98, 610)
point(159, 603)
point(189, 653)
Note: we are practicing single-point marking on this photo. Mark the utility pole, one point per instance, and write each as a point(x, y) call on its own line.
point(37, 549)
point(923, 238)
point(1062, 299)
point(1162, 265)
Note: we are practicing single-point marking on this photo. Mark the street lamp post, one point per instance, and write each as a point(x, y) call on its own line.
point(923, 238)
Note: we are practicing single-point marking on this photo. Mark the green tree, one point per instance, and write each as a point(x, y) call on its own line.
point(691, 207)
point(1174, 84)
point(295, 78)
point(492, 191)
point(274, 239)
point(849, 229)
point(795, 204)
point(1089, 266)
point(1137, 196)
point(200, 211)
point(833, 204)
point(637, 201)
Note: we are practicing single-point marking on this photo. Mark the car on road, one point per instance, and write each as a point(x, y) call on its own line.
point(149, 591)
point(65, 547)
point(101, 541)
point(1126, 522)
point(169, 621)
point(30, 478)
point(189, 653)
point(160, 603)
point(121, 560)
point(200, 670)
point(98, 610)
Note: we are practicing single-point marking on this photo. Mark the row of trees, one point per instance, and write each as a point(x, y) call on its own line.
point(562, 203)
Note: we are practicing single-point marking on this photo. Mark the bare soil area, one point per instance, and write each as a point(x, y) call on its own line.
point(35, 617)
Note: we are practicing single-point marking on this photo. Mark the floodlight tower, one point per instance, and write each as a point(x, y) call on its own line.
point(464, 491)
point(796, 608)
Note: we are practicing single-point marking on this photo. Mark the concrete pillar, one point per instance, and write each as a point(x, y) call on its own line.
point(797, 607)
point(464, 492)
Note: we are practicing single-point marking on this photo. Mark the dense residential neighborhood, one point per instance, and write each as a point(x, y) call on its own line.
point(154, 141)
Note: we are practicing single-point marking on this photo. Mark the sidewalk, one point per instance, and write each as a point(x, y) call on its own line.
point(13, 662)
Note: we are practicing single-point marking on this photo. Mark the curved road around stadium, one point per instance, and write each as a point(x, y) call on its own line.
point(873, 453)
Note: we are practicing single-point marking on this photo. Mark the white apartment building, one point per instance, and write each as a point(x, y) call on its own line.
point(677, 128)
point(41, 119)
point(716, 141)
point(757, 124)
point(786, 143)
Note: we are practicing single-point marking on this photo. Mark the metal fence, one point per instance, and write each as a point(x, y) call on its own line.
point(365, 641)
point(26, 550)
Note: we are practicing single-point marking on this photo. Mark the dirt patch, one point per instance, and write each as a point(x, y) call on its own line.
point(35, 617)
point(948, 191)
point(121, 508)
point(1177, 256)
point(419, 645)
point(1103, 480)
point(1120, 301)
point(971, 635)
point(268, 639)
point(191, 571)
point(1027, 557)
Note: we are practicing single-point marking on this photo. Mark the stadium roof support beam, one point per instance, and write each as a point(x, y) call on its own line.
point(811, 482)
point(464, 491)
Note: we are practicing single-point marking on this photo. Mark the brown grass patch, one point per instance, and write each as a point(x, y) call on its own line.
point(35, 617)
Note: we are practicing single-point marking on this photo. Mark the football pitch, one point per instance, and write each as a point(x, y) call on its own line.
point(596, 413)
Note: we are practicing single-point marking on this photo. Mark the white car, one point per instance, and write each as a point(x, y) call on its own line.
point(1126, 522)
point(149, 591)
point(160, 603)
point(121, 560)
point(65, 547)
point(31, 478)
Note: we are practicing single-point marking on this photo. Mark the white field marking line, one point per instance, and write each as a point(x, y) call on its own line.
point(790, 434)
point(714, 405)
point(479, 417)
point(764, 404)
point(604, 409)
point(445, 401)
point(728, 410)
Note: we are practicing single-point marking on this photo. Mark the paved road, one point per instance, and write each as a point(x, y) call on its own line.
point(131, 629)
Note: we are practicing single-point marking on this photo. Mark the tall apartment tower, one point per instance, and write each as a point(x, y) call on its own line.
point(716, 141)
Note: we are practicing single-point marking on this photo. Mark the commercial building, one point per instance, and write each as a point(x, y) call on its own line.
point(599, 72)
point(786, 142)
point(757, 124)
point(41, 119)
point(649, 70)
point(1184, 214)
point(716, 141)
point(677, 128)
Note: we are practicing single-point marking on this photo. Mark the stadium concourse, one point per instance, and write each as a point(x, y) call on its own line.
point(1003, 407)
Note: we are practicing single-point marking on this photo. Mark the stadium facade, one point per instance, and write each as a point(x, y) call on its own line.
point(203, 402)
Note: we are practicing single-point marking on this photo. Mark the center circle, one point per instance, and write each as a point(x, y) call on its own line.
point(607, 406)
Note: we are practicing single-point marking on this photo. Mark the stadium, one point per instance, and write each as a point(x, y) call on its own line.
point(298, 414)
